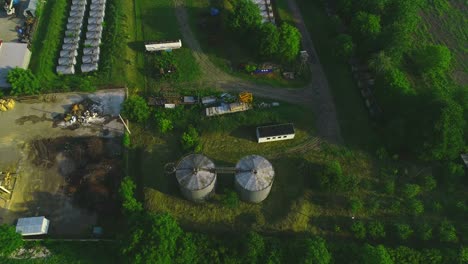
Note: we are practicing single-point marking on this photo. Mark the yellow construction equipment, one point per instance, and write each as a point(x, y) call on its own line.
point(246, 97)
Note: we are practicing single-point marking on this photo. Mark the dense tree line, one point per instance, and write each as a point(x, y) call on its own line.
point(158, 238)
point(425, 111)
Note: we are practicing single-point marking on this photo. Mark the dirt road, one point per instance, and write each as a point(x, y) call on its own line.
point(316, 94)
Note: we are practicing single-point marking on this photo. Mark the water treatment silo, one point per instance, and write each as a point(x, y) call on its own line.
point(254, 178)
point(196, 176)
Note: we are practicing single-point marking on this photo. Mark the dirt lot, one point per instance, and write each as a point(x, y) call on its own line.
point(42, 156)
point(8, 23)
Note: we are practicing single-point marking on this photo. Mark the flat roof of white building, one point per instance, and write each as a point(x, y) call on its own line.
point(12, 55)
point(32, 226)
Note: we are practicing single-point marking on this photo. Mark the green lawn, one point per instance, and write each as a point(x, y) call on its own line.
point(356, 126)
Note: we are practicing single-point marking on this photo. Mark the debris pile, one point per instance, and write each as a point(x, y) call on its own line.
point(6, 105)
point(84, 113)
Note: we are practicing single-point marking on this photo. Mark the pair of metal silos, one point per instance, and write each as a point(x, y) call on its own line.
point(197, 174)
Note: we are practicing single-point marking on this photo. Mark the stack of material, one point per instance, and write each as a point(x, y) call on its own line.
point(71, 40)
point(90, 59)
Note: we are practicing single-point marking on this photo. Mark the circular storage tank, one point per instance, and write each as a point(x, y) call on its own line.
point(254, 178)
point(196, 176)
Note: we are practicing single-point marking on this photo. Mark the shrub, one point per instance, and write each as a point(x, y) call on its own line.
point(429, 183)
point(411, 190)
point(254, 247)
point(376, 230)
point(359, 229)
point(245, 16)
point(416, 207)
point(355, 205)
point(447, 232)
point(389, 186)
point(344, 46)
point(374, 255)
point(190, 140)
point(9, 240)
point(230, 199)
point(130, 204)
point(268, 43)
point(332, 178)
point(136, 109)
point(23, 82)
point(424, 231)
point(403, 231)
point(290, 42)
point(432, 59)
point(126, 140)
point(165, 125)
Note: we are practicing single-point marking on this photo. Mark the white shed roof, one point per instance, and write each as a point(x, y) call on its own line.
point(163, 46)
point(12, 55)
point(31, 226)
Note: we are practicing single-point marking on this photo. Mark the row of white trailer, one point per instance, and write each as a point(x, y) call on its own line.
point(71, 42)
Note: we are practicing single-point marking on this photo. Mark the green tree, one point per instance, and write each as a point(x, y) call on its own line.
point(463, 255)
point(136, 109)
point(130, 204)
point(355, 205)
point(245, 16)
point(397, 81)
point(446, 139)
point(403, 231)
point(404, 254)
point(9, 240)
point(430, 183)
point(165, 125)
point(23, 82)
point(447, 232)
point(432, 59)
point(359, 229)
point(331, 178)
point(191, 140)
point(376, 230)
point(268, 38)
point(375, 255)
point(153, 238)
point(230, 199)
point(289, 42)
point(316, 251)
point(431, 256)
point(254, 248)
point(366, 25)
point(344, 46)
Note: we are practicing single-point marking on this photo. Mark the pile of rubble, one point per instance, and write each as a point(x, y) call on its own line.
point(84, 113)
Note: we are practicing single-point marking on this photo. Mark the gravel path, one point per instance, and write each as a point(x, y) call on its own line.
point(316, 93)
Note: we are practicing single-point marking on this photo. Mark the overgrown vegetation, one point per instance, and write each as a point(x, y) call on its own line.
point(23, 82)
point(9, 240)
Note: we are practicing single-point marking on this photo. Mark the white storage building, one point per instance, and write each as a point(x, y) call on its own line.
point(32, 226)
point(275, 133)
point(12, 55)
point(170, 45)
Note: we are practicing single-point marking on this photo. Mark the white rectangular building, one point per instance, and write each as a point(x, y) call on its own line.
point(32, 226)
point(12, 55)
point(164, 46)
point(275, 133)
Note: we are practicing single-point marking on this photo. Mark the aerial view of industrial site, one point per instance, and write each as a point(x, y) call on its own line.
point(234, 131)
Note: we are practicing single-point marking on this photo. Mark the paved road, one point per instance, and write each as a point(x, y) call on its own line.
point(316, 93)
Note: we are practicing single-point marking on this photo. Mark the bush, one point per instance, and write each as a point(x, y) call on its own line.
point(254, 247)
point(9, 240)
point(230, 199)
point(376, 230)
point(23, 82)
point(424, 231)
point(126, 140)
point(429, 183)
point(375, 255)
point(268, 40)
point(432, 59)
point(316, 251)
point(190, 140)
point(403, 231)
point(331, 178)
point(447, 232)
point(136, 109)
point(415, 207)
point(344, 46)
point(130, 204)
point(356, 205)
point(411, 190)
point(359, 229)
point(290, 42)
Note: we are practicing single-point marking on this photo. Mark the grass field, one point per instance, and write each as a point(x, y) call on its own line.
point(72, 252)
point(356, 126)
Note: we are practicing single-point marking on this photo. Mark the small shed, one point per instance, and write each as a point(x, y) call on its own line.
point(78, 8)
point(68, 53)
point(74, 26)
point(12, 55)
point(67, 61)
point(65, 69)
point(70, 46)
point(32, 226)
point(97, 13)
point(92, 42)
point(75, 19)
point(99, 2)
point(91, 51)
point(209, 100)
point(71, 40)
point(97, 6)
point(95, 20)
point(94, 27)
point(93, 58)
point(163, 46)
point(93, 34)
point(77, 13)
point(78, 1)
point(72, 33)
point(275, 132)
point(89, 67)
